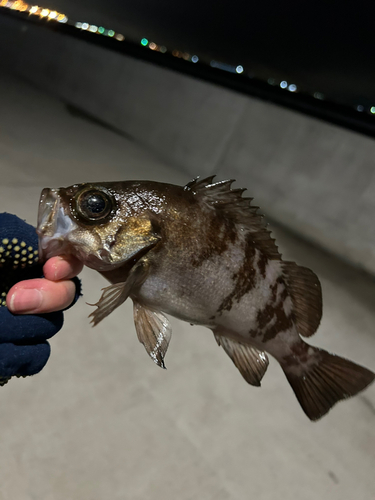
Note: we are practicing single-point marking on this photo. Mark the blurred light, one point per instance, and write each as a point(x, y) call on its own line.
point(292, 87)
point(271, 81)
point(78, 25)
point(239, 69)
point(3, 3)
point(33, 9)
point(85, 26)
point(52, 15)
point(195, 59)
point(120, 37)
point(144, 42)
point(44, 13)
point(153, 46)
point(101, 30)
point(62, 18)
point(372, 110)
point(319, 95)
point(93, 28)
point(111, 32)
point(223, 66)
point(163, 49)
point(176, 53)
point(360, 107)
point(185, 56)
point(283, 84)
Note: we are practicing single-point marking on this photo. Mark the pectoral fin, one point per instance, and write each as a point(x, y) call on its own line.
point(114, 295)
point(154, 332)
point(251, 363)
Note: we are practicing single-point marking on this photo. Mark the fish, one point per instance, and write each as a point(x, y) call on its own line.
point(203, 254)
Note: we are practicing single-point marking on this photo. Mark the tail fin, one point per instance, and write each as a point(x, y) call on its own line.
point(326, 381)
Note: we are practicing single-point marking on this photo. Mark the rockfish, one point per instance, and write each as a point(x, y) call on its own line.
point(200, 253)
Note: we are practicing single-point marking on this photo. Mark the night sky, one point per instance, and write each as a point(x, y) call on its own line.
point(323, 46)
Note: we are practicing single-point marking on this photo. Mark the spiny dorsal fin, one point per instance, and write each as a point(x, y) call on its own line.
point(154, 332)
point(251, 363)
point(306, 294)
point(232, 205)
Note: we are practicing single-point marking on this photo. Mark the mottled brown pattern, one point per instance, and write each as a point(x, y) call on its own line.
point(244, 278)
point(282, 324)
point(219, 234)
point(262, 264)
point(273, 309)
point(299, 354)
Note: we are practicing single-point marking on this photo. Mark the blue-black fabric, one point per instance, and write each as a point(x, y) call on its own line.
point(24, 349)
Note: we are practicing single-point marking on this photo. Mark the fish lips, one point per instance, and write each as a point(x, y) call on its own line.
point(54, 225)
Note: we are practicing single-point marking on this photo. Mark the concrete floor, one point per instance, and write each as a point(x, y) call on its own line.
point(102, 421)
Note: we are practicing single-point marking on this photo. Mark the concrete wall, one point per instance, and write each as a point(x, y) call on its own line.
point(313, 177)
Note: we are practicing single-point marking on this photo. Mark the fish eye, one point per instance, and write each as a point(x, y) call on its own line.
point(94, 205)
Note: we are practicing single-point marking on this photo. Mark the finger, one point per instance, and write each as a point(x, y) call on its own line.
point(39, 296)
point(62, 268)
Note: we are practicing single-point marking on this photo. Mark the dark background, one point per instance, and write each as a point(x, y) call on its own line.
point(321, 46)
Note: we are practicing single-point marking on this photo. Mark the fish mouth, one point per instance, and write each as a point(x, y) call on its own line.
point(53, 225)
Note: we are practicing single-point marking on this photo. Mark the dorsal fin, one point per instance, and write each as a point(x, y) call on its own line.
point(306, 294)
point(230, 202)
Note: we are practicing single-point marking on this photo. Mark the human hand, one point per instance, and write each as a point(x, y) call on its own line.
point(31, 312)
point(54, 292)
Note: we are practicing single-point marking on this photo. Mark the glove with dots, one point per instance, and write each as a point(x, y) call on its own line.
point(24, 349)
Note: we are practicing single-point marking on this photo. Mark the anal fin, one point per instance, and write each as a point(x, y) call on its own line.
point(251, 363)
point(154, 332)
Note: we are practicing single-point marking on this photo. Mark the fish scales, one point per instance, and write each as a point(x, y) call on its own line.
point(200, 253)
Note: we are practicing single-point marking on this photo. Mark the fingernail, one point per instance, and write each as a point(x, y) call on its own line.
point(26, 300)
point(59, 270)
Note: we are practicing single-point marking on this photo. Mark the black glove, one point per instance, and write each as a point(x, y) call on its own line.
point(24, 349)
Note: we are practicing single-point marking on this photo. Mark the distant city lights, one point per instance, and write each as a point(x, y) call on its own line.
point(42, 12)
point(53, 15)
